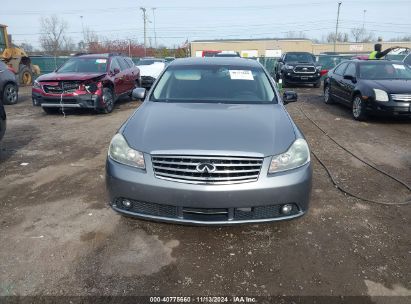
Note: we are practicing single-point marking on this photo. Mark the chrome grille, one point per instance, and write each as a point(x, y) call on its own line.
point(52, 89)
point(228, 170)
point(401, 97)
point(62, 87)
point(304, 69)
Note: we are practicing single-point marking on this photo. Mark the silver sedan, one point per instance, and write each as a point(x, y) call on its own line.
point(212, 144)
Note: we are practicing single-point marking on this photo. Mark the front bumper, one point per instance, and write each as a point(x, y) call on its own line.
point(391, 108)
point(85, 101)
point(300, 78)
point(169, 201)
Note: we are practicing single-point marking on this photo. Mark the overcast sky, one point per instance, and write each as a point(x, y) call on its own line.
point(179, 20)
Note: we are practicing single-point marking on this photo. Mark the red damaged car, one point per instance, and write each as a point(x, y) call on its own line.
point(93, 81)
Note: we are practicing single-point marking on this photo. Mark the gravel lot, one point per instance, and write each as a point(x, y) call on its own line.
point(59, 237)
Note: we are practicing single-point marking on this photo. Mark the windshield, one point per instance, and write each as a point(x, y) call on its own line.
point(299, 58)
point(84, 65)
point(149, 61)
point(214, 84)
point(385, 70)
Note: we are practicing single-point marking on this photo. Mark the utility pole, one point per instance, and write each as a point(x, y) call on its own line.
point(84, 35)
point(143, 9)
point(154, 26)
point(336, 26)
point(363, 20)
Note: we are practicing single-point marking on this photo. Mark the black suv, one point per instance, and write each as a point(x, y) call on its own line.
point(298, 68)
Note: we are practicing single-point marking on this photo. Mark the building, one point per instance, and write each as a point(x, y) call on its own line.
point(274, 47)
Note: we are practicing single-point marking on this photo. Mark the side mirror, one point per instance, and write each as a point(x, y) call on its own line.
point(350, 77)
point(289, 96)
point(115, 71)
point(139, 93)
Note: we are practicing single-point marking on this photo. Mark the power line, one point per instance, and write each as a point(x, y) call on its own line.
point(130, 8)
point(200, 8)
point(206, 28)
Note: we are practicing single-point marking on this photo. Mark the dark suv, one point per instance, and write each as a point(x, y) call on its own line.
point(298, 68)
point(93, 81)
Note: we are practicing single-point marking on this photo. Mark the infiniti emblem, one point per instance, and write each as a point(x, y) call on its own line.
point(205, 167)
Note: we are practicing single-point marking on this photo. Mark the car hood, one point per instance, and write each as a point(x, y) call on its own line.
point(393, 86)
point(225, 129)
point(152, 70)
point(69, 76)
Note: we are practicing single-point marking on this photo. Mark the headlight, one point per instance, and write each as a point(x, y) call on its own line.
point(296, 156)
point(318, 67)
point(91, 87)
point(36, 85)
point(122, 153)
point(289, 67)
point(381, 95)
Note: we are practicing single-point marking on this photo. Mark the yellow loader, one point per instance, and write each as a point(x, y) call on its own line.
point(17, 59)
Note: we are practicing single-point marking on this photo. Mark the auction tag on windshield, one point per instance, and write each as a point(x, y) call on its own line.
point(398, 66)
point(241, 74)
point(101, 60)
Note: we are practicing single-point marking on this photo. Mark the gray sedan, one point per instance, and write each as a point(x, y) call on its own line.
point(212, 144)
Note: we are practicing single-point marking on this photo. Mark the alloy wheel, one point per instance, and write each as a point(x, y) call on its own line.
point(11, 94)
point(108, 100)
point(357, 107)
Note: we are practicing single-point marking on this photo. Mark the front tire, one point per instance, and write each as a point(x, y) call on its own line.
point(358, 108)
point(328, 99)
point(10, 94)
point(108, 101)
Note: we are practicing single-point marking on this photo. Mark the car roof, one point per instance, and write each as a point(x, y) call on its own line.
point(92, 55)
point(102, 55)
point(380, 61)
point(298, 53)
point(236, 61)
point(151, 58)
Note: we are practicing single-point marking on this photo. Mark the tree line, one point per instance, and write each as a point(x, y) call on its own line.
point(55, 41)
